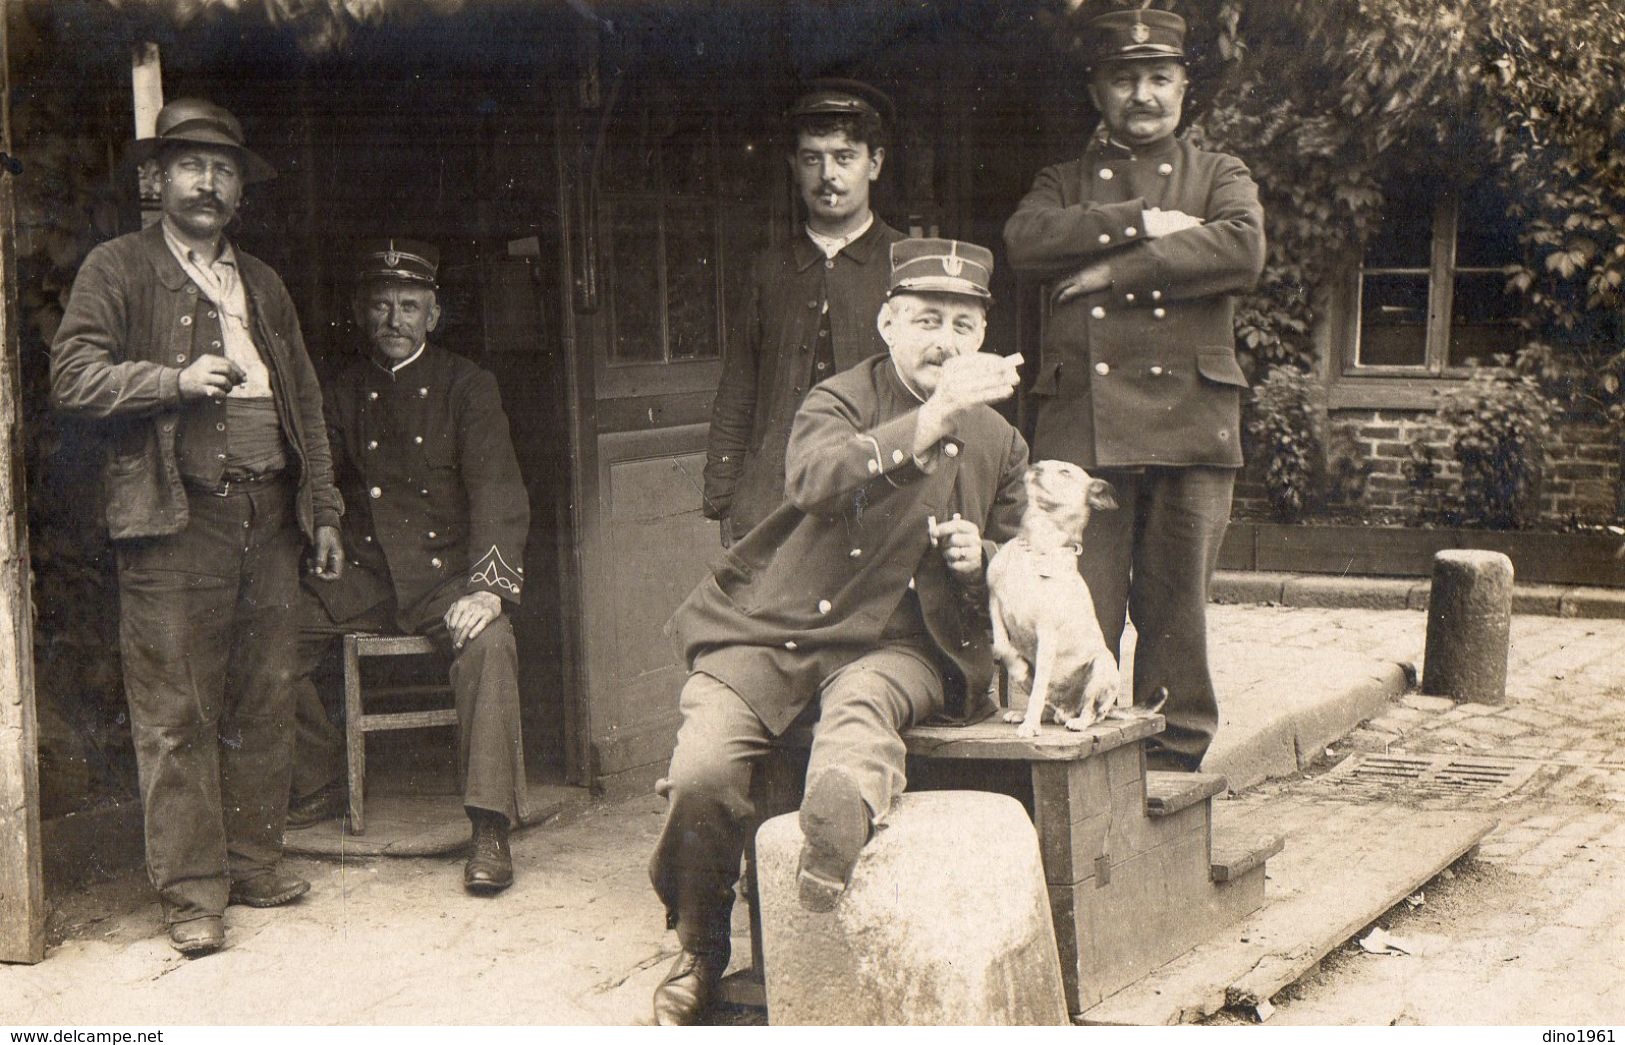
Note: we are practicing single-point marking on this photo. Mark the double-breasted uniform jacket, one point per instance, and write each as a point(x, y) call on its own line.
point(1143, 372)
point(437, 505)
point(812, 587)
point(768, 365)
point(134, 321)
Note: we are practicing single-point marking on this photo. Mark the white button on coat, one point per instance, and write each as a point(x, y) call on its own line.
point(1102, 369)
point(823, 606)
point(1098, 312)
point(376, 492)
point(1165, 169)
point(1106, 174)
point(952, 449)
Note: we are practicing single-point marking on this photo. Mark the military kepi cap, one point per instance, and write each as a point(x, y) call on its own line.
point(940, 266)
point(200, 122)
point(831, 96)
point(1139, 33)
point(398, 261)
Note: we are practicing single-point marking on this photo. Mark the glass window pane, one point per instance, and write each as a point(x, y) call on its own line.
point(1403, 237)
point(1485, 236)
point(744, 235)
point(1483, 319)
point(1393, 320)
point(685, 153)
point(633, 270)
point(691, 280)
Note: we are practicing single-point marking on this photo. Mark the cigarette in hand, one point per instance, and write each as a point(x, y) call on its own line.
point(931, 529)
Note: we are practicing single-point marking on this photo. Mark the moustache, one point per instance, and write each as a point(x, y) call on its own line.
point(208, 202)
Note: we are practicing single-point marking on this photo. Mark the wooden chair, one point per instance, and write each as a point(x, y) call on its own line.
point(359, 722)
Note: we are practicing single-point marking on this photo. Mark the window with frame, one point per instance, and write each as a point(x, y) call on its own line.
point(1430, 299)
point(684, 206)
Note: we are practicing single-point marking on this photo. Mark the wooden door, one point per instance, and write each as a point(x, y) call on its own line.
point(670, 194)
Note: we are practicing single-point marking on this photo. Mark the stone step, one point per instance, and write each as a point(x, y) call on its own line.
point(1236, 853)
point(1168, 793)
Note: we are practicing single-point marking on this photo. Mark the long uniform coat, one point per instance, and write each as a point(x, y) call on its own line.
point(437, 507)
point(1143, 372)
point(812, 587)
point(796, 297)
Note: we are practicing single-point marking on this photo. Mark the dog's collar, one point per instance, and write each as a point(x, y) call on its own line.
point(1071, 546)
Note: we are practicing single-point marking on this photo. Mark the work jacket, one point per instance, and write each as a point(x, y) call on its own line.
point(767, 365)
point(1143, 372)
point(438, 508)
point(813, 587)
point(134, 321)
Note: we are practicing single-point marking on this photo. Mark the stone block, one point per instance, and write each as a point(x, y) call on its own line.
point(946, 922)
point(1247, 586)
point(1539, 600)
point(1334, 592)
point(1606, 603)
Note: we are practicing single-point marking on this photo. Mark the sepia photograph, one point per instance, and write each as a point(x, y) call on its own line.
point(768, 513)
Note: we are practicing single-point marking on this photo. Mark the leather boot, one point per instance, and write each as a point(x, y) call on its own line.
point(835, 828)
point(490, 865)
point(690, 984)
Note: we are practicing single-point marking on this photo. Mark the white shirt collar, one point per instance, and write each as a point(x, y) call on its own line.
point(395, 368)
point(833, 245)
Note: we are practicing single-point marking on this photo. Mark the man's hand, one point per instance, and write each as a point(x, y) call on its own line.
point(960, 543)
point(1159, 222)
point(328, 562)
point(470, 614)
point(210, 377)
point(1097, 275)
point(965, 383)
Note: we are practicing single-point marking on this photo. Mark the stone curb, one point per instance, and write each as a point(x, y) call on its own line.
point(1291, 735)
point(1330, 591)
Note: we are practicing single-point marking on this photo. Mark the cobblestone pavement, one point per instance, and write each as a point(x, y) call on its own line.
point(1531, 930)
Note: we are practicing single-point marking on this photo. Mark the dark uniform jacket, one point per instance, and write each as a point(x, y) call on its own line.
point(134, 321)
point(812, 587)
point(437, 505)
point(1143, 372)
point(767, 367)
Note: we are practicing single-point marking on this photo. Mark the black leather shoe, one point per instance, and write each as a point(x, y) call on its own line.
point(690, 984)
point(327, 804)
point(271, 889)
point(490, 865)
point(835, 826)
point(198, 937)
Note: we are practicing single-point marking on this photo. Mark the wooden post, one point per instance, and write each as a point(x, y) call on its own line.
point(22, 887)
point(147, 91)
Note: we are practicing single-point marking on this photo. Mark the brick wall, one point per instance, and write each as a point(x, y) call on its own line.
point(1582, 477)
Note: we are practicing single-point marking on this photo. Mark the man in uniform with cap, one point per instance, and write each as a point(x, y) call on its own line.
point(1143, 241)
point(435, 536)
point(812, 303)
point(859, 604)
point(185, 353)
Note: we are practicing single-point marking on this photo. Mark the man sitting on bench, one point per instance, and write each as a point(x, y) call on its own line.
point(860, 604)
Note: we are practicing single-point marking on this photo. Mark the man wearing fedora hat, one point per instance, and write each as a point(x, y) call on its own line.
point(435, 536)
point(186, 353)
point(858, 605)
point(1143, 241)
point(811, 308)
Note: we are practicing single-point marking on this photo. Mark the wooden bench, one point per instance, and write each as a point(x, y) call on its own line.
point(1128, 857)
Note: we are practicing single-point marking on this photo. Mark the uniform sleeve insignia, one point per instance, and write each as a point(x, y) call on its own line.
point(494, 572)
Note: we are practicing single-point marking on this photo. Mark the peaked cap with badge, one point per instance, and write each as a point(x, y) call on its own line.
point(1121, 36)
point(941, 266)
point(398, 261)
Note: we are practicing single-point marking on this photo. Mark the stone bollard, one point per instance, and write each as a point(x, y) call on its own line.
point(1469, 620)
point(946, 922)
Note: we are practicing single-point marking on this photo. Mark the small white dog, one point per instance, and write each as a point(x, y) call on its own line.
point(1044, 627)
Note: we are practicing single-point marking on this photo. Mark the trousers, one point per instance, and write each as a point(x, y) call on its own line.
point(485, 685)
point(1152, 561)
point(859, 713)
point(207, 630)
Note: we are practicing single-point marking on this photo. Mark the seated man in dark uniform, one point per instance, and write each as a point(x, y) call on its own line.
point(435, 534)
point(859, 603)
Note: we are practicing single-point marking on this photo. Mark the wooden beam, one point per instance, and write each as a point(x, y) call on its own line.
point(147, 92)
point(22, 887)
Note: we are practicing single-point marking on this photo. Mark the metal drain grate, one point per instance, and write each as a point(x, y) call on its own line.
point(1438, 775)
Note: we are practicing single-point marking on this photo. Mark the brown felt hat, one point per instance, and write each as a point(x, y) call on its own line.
point(200, 122)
